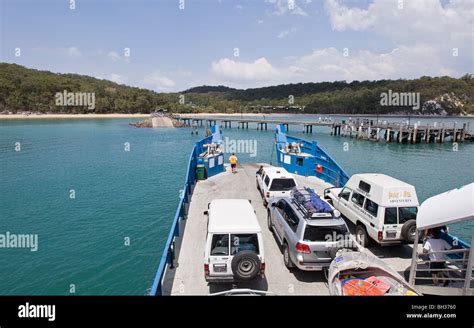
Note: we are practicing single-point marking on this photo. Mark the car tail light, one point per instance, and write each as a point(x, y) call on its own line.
point(380, 235)
point(268, 194)
point(303, 248)
point(262, 268)
point(206, 270)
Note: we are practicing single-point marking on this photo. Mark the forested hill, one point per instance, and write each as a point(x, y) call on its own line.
point(24, 89)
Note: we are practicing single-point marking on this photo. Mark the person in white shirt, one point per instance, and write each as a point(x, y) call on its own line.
point(432, 247)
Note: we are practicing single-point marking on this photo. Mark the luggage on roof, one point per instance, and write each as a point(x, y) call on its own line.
point(310, 202)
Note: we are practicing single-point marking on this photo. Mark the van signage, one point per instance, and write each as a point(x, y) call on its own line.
point(400, 197)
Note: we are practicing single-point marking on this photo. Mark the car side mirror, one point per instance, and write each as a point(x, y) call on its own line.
point(206, 212)
point(274, 205)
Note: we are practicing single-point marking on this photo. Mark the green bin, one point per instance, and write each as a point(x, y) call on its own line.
point(201, 172)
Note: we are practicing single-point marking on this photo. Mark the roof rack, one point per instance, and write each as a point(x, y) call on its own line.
point(308, 202)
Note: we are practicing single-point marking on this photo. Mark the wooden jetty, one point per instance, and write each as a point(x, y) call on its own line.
point(403, 133)
point(361, 129)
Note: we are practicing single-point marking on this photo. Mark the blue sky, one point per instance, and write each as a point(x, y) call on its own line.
point(278, 41)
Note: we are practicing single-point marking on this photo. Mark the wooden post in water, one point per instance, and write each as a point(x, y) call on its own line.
point(427, 135)
point(388, 135)
point(463, 132)
point(415, 132)
point(400, 134)
point(454, 133)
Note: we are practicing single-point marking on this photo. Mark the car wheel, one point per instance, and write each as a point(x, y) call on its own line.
point(362, 236)
point(409, 232)
point(245, 265)
point(269, 221)
point(286, 257)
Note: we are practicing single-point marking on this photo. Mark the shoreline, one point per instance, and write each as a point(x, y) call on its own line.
point(69, 116)
point(141, 116)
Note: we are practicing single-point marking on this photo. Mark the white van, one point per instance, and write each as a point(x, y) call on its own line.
point(234, 246)
point(274, 182)
point(383, 208)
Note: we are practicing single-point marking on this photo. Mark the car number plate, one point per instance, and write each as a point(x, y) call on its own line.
point(391, 234)
point(220, 268)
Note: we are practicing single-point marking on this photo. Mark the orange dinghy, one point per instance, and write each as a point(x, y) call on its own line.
point(361, 274)
point(359, 287)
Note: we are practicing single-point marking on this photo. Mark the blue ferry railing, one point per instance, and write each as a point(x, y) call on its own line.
point(167, 258)
point(332, 172)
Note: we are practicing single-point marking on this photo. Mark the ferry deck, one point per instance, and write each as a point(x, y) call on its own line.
point(187, 275)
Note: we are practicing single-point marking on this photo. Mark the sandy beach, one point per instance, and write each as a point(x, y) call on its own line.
point(69, 116)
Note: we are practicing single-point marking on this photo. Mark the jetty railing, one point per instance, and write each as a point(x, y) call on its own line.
point(168, 255)
point(365, 129)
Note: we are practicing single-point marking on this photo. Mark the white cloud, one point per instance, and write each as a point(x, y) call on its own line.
point(159, 81)
point(329, 64)
point(402, 62)
point(259, 70)
point(281, 7)
point(287, 33)
point(343, 18)
point(71, 52)
point(417, 21)
point(117, 78)
point(113, 56)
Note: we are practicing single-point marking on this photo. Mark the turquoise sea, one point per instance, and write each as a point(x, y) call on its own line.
point(123, 196)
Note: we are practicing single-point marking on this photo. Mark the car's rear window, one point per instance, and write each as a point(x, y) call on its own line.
point(319, 233)
point(244, 242)
point(220, 245)
point(282, 184)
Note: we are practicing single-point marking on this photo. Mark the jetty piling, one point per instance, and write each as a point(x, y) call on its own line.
point(362, 129)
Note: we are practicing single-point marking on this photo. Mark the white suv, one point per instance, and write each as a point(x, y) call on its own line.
point(274, 182)
point(234, 246)
point(382, 208)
